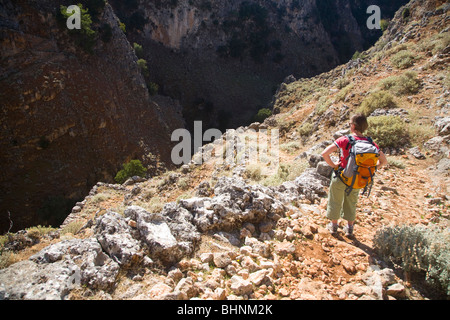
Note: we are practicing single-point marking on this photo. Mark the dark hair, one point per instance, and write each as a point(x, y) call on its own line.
point(360, 122)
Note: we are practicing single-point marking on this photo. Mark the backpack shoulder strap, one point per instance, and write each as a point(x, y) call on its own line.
point(351, 141)
point(371, 141)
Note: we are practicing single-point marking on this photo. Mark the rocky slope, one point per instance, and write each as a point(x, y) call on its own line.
point(242, 230)
point(69, 118)
point(223, 59)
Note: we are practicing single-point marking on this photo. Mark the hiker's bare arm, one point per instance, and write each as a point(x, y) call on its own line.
point(326, 155)
point(382, 160)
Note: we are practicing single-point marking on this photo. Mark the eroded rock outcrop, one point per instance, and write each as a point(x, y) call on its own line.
point(150, 239)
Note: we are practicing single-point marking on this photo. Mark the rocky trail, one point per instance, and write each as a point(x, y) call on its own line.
point(240, 241)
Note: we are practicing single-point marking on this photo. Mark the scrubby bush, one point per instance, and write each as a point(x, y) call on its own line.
point(138, 50)
point(377, 100)
point(388, 131)
point(286, 172)
point(290, 147)
point(84, 37)
point(420, 132)
point(142, 63)
point(406, 83)
point(183, 183)
point(396, 163)
point(406, 13)
point(72, 227)
point(323, 104)
point(342, 94)
point(152, 87)
point(263, 114)
point(435, 44)
point(37, 232)
point(253, 172)
point(305, 129)
point(342, 83)
point(358, 55)
point(403, 59)
point(130, 169)
point(418, 249)
point(123, 27)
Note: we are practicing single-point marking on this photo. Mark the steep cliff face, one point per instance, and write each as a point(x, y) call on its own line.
point(68, 118)
point(223, 59)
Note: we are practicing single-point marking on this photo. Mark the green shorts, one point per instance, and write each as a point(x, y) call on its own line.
point(341, 205)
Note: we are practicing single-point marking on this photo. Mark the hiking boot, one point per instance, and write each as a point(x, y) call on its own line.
point(348, 230)
point(332, 227)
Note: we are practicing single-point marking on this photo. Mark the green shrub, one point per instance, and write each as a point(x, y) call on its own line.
point(7, 258)
point(183, 183)
point(377, 100)
point(286, 172)
point(84, 37)
point(420, 133)
point(342, 94)
point(388, 131)
point(100, 197)
point(406, 13)
point(139, 50)
point(36, 233)
point(122, 27)
point(72, 227)
point(418, 249)
point(403, 59)
point(290, 147)
point(342, 83)
point(406, 83)
point(358, 55)
point(152, 87)
point(130, 169)
point(143, 67)
point(262, 114)
point(305, 129)
point(396, 163)
point(323, 104)
point(436, 43)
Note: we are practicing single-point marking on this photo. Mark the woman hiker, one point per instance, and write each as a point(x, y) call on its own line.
point(340, 203)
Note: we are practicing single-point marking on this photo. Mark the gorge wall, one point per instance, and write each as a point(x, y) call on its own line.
point(69, 118)
point(223, 60)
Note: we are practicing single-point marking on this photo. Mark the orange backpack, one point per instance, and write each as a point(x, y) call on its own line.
point(361, 165)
